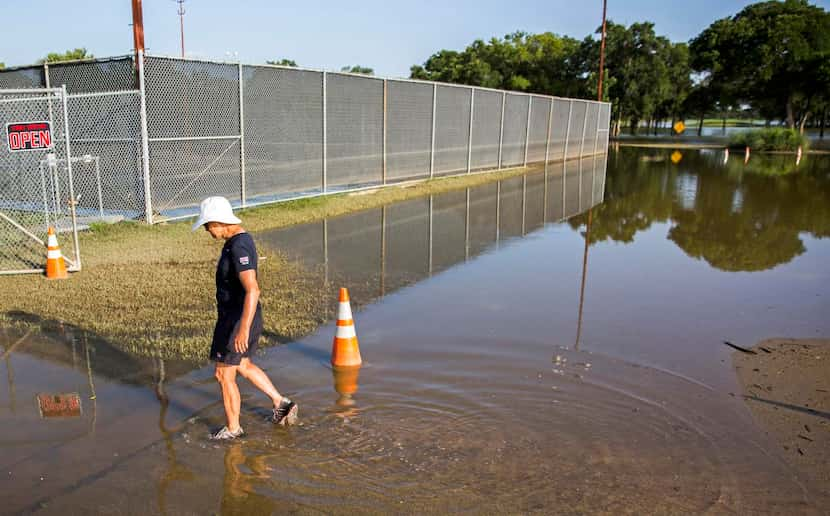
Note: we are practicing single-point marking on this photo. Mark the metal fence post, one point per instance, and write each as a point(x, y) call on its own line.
point(567, 131)
point(596, 134)
point(47, 81)
point(242, 180)
point(470, 133)
point(100, 192)
point(565, 156)
point(72, 199)
point(584, 125)
point(432, 144)
point(325, 143)
point(145, 144)
point(385, 88)
point(547, 138)
point(501, 125)
point(527, 129)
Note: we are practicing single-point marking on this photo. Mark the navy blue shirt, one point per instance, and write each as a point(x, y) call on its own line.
point(238, 255)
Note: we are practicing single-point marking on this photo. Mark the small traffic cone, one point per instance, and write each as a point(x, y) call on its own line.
point(55, 264)
point(345, 351)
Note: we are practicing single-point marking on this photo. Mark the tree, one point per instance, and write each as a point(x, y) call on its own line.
point(69, 55)
point(772, 55)
point(640, 68)
point(283, 62)
point(538, 63)
point(2, 65)
point(358, 69)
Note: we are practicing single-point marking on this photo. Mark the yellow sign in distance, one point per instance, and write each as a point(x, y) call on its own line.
point(679, 127)
point(676, 156)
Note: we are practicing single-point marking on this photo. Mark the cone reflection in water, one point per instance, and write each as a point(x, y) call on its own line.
point(345, 383)
point(55, 264)
point(345, 351)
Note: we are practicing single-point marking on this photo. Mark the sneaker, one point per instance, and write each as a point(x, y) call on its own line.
point(226, 435)
point(286, 414)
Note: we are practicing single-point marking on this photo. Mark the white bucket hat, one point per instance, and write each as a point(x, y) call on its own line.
point(215, 209)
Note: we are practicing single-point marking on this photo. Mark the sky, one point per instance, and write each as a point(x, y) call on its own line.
point(385, 35)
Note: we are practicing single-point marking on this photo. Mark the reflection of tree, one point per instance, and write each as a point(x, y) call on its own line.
point(736, 243)
point(733, 218)
point(638, 193)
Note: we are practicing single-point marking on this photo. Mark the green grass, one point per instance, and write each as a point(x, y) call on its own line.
point(770, 139)
point(150, 289)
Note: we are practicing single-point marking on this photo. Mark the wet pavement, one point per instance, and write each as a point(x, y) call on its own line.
point(507, 366)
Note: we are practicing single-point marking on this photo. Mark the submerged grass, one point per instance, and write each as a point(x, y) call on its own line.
point(150, 289)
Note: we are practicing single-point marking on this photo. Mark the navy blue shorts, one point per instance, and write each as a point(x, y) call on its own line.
point(221, 350)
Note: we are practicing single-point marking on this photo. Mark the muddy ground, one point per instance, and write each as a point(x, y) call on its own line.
point(786, 385)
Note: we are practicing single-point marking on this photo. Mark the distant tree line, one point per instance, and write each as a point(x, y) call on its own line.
point(771, 61)
point(349, 69)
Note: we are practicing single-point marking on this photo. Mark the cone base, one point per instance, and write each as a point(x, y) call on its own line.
point(345, 353)
point(55, 271)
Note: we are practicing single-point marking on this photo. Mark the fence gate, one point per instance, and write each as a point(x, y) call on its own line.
point(36, 179)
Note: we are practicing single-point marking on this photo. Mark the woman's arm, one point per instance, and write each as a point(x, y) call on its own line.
point(249, 283)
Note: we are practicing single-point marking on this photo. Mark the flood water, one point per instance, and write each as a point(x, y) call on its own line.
point(508, 368)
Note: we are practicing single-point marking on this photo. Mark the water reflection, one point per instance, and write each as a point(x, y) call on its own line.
point(735, 217)
point(378, 251)
point(242, 474)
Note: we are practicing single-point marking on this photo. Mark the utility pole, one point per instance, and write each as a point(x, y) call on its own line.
point(181, 21)
point(602, 51)
point(138, 29)
point(590, 210)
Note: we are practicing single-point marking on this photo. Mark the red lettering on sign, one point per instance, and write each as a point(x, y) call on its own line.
point(24, 136)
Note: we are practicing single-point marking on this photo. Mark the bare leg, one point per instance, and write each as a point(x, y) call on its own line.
point(257, 376)
point(226, 375)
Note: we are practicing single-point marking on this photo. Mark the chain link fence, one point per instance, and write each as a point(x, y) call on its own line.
point(153, 140)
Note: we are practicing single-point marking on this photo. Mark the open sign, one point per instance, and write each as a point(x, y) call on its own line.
point(26, 136)
point(59, 405)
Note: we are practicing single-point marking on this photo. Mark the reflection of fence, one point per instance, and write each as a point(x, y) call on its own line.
point(259, 133)
point(378, 251)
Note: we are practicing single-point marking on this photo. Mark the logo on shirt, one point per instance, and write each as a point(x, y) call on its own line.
point(244, 260)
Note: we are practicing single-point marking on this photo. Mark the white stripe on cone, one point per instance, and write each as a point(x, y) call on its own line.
point(53, 254)
point(344, 311)
point(53, 241)
point(346, 332)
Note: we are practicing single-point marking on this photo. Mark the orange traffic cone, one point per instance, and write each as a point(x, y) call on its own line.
point(345, 351)
point(55, 265)
point(746, 155)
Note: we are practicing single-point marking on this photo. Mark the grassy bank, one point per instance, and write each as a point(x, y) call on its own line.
point(773, 139)
point(150, 289)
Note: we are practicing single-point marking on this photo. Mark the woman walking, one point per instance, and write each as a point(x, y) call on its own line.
point(239, 324)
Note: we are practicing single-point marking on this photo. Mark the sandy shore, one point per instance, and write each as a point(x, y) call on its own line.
point(786, 384)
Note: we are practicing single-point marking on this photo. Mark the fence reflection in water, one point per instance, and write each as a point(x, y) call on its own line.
point(376, 252)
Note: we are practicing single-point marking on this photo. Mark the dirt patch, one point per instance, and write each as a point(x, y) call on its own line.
point(786, 385)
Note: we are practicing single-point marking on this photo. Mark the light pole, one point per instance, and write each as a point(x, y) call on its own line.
point(181, 21)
